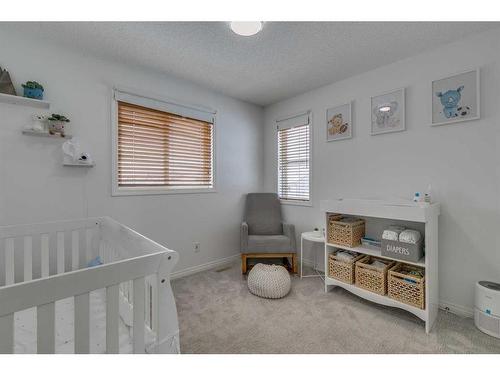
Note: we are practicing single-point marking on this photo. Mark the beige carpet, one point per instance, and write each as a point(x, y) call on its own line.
point(217, 314)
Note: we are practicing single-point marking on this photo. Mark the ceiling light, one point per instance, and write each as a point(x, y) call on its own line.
point(384, 109)
point(246, 28)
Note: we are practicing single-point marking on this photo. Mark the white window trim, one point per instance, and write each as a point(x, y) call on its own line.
point(292, 202)
point(116, 190)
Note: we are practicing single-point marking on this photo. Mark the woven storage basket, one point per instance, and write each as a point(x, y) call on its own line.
point(371, 278)
point(342, 270)
point(345, 233)
point(406, 288)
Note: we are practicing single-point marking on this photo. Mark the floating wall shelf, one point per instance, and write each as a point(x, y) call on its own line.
point(20, 100)
point(66, 164)
point(44, 134)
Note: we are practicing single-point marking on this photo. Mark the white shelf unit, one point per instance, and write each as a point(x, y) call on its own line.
point(407, 212)
point(21, 100)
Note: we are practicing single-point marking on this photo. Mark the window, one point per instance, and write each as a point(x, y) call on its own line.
point(160, 149)
point(294, 159)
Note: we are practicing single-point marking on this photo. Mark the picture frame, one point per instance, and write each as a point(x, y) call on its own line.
point(456, 98)
point(339, 124)
point(388, 112)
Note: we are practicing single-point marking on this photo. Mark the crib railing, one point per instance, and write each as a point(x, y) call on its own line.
point(44, 263)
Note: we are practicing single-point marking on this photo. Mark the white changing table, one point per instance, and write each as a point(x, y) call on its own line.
point(425, 216)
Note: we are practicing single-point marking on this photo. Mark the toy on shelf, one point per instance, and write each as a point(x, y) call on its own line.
point(73, 154)
point(58, 124)
point(6, 86)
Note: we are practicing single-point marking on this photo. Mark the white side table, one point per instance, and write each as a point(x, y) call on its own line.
point(315, 236)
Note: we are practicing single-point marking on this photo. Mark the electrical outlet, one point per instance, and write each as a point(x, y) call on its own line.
point(196, 247)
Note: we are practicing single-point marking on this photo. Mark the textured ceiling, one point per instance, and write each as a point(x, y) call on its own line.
point(285, 59)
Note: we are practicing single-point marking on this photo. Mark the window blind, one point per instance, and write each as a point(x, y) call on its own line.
point(293, 162)
point(162, 149)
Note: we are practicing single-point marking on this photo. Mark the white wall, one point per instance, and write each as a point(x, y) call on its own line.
point(461, 161)
point(35, 187)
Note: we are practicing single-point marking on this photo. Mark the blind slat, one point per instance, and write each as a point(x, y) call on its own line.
point(293, 163)
point(157, 149)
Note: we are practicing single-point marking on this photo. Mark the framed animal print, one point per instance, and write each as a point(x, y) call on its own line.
point(339, 123)
point(456, 98)
point(388, 112)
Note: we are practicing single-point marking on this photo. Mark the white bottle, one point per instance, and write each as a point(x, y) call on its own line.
point(427, 197)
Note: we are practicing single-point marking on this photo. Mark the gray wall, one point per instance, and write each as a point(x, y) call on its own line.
point(35, 187)
point(461, 161)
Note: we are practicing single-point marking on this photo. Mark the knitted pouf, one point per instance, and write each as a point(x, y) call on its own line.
point(269, 281)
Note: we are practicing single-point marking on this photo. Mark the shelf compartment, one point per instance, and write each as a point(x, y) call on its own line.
point(21, 100)
point(376, 252)
point(376, 298)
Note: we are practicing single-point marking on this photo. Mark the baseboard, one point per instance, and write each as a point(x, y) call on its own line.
point(459, 310)
point(204, 267)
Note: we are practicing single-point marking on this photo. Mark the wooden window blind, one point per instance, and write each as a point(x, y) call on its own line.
point(161, 149)
point(293, 163)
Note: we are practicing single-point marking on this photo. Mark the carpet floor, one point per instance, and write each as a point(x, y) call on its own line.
point(217, 314)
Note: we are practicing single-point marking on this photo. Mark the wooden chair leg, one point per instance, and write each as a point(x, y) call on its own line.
point(294, 263)
point(243, 264)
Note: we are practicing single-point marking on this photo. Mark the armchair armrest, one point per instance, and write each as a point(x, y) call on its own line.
point(289, 231)
point(244, 237)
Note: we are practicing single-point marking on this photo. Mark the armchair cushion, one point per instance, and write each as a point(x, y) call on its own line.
point(263, 214)
point(269, 244)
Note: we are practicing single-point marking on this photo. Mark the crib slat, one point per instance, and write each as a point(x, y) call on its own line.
point(60, 252)
point(45, 255)
point(7, 334)
point(9, 261)
point(45, 329)
point(112, 319)
point(82, 323)
point(28, 258)
point(138, 325)
point(75, 250)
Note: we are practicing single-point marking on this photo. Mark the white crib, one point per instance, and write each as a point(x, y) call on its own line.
point(44, 267)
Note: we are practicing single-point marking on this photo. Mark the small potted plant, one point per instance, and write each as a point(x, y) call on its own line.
point(57, 124)
point(33, 90)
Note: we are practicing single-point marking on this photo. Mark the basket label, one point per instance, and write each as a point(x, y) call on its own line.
point(397, 249)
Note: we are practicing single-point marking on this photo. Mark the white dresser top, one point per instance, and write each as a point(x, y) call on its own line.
point(398, 210)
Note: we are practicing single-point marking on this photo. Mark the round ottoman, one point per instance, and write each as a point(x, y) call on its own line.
point(269, 281)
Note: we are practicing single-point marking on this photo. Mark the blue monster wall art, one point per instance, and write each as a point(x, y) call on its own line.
point(451, 101)
point(456, 98)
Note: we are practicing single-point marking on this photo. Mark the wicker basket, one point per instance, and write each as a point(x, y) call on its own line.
point(345, 233)
point(340, 269)
point(371, 278)
point(406, 288)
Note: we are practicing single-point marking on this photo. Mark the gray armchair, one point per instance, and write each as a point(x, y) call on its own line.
point(263, 232)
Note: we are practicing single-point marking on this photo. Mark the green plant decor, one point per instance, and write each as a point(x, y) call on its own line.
point(57, 117)
point(32, 85)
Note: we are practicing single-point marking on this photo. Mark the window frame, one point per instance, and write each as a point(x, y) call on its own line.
point(307, 203)
point(116, 190)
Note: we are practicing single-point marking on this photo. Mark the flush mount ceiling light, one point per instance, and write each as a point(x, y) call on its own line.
point(246, 28)
point(385, 108)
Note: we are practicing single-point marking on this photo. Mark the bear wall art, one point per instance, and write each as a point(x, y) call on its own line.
point(339, 123)
point(455, 98)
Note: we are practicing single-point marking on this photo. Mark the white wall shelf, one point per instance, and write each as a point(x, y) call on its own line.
point(68, 164)
point(396, 211)
point(20, 100)
point(44, 134)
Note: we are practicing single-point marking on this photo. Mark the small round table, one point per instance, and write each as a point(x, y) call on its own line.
point(315, 236)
